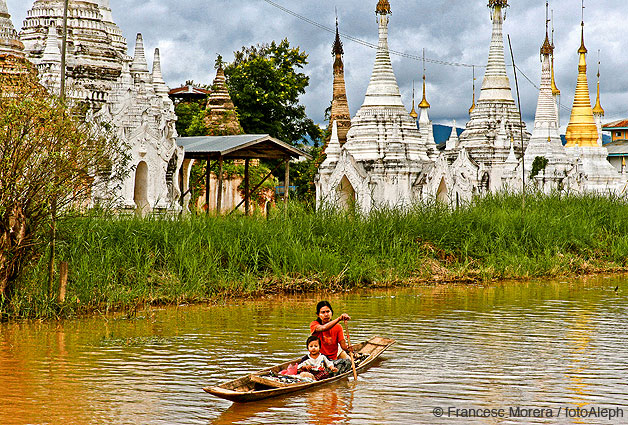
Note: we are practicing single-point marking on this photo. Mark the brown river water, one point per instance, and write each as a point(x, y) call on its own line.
point(549, 346)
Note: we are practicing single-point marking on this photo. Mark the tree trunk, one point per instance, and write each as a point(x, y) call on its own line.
point(53, 239)
point(12, 242)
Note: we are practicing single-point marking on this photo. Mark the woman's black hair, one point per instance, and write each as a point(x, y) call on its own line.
point(312, 338)
point(318, 309)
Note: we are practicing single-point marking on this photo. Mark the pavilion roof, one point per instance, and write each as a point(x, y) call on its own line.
point(241, 146)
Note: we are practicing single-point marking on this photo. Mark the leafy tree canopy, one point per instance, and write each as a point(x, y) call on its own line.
point(265, 84)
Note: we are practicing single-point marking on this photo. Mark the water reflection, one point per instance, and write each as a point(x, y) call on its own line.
point(325, 406)
point(534, 344)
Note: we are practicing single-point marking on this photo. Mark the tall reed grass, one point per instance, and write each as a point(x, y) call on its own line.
point(121, 262)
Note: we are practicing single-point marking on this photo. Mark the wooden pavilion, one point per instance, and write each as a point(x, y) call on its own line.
point(238, 147)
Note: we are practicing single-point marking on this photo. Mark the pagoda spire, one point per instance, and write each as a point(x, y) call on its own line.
point(52, 53)
point(598, 105)
point(582, 130)
point(472, 108)
point(339, 104)
point(555, 90)
point(382, 128)
point(424, 103)
point(9, 41)
point(383, 89)
point(545, 141)
point(158, 80)
point(413, 112)
point(598, 111)
point(221, 118)
point(139, 63)
point(496, 85)
point(495, 104)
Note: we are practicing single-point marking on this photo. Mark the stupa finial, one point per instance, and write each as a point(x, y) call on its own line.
point(497, 3)
point(383, 8)
point(547, 49)
point(473, 104)
point(598, 105)
point(555, 90)
point(424, 103)
point(337, 49)
point(583, 48)
point(413, 112)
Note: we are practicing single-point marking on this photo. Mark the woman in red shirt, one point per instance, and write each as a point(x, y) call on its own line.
point(330, 332)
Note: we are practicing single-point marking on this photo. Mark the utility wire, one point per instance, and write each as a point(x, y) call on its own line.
point(366, 43)
point(394, 52)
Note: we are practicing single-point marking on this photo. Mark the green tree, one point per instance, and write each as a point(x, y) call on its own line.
point(302, 176)
point(265, 83)
point(539, 164)
point(50, 163)
point(189, 119)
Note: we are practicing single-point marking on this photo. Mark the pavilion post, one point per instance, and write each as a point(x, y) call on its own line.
point(286, 194)
point(247, 194)
point(219, 197)
point(207, 180)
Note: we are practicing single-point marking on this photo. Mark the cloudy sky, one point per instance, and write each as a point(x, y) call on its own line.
point(190, 33)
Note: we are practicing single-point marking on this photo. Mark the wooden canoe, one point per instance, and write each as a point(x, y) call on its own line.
point(256, 387)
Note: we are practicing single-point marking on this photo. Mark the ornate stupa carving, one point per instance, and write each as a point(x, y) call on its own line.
point(339, 105)
point(495, 103)
point(483, 159)
point(221, 117)
point(381, 162)
point(95, 46)
point(9, 42)
point(120, 89)
point(545, 142)
point(143, 114)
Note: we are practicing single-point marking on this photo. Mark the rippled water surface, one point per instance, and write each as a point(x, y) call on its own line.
point(544, 345)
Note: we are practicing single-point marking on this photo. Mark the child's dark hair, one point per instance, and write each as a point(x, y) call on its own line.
point(312, 338)
point(318, 309)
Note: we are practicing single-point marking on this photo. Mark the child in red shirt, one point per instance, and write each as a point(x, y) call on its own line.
point(330, 332)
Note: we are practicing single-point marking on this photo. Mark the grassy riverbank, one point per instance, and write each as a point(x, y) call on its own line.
point(120, 263)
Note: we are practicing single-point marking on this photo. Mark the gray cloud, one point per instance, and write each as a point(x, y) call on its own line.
point(191, 32)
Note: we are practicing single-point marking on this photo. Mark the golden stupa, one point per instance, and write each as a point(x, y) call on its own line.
point(424, 103)
point(598, 105)
point(413, 113)
point(582, 130)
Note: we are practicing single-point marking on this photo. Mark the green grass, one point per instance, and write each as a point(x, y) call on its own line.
point(120, 263)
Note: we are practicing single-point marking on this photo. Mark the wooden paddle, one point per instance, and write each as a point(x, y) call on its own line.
point(355, 372)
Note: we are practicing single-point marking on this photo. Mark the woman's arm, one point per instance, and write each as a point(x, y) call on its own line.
point(332, 323)
point(345, 346)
